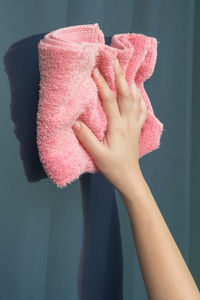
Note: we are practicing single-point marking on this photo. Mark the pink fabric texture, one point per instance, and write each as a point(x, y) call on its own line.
point(67, 57)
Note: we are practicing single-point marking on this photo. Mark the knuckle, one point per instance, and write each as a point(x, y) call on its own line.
point(110, 96)
point(107, 94)
point(105, 90)
point(127, 93)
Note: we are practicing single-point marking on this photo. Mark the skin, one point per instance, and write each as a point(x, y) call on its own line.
point(165, 273)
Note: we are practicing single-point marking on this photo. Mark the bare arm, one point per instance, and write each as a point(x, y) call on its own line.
point(165, 273)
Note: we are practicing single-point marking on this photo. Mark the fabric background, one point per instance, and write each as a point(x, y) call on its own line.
point(41, 226)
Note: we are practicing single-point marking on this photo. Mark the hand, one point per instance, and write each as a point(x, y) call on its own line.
point(118, 153)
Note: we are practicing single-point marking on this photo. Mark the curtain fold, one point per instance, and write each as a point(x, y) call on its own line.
point(43, 255)
point(101, 263)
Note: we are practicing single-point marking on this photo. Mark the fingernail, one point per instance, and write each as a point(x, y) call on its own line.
point(76, 126)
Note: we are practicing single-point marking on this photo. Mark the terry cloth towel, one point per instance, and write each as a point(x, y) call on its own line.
point(67, 57)
point(22, 68)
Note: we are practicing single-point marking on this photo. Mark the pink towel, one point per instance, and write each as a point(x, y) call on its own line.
point(67, 57)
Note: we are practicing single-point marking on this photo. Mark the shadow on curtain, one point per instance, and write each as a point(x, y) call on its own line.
point(101, 264)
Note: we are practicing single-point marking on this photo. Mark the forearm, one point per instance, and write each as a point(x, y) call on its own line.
point(165, 273)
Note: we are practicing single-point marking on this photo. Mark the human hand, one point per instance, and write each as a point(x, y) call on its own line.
point(117, 154)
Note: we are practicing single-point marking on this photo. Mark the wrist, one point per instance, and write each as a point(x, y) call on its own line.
point(133, 186)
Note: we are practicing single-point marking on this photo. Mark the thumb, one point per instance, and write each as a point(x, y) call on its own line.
point(88, 139)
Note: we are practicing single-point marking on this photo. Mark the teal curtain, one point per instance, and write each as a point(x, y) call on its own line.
point(194, 244)
point(41, 227)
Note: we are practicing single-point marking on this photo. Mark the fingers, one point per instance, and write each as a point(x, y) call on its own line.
point(124, 93)
point(121, 83)
point(140, 109)
point(88, 140)
point(129, 101)
point(135, 90)
point(138, 99)
point(144, 111)
point(109, 101)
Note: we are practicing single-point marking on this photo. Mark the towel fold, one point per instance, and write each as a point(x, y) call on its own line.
point(67, 57)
